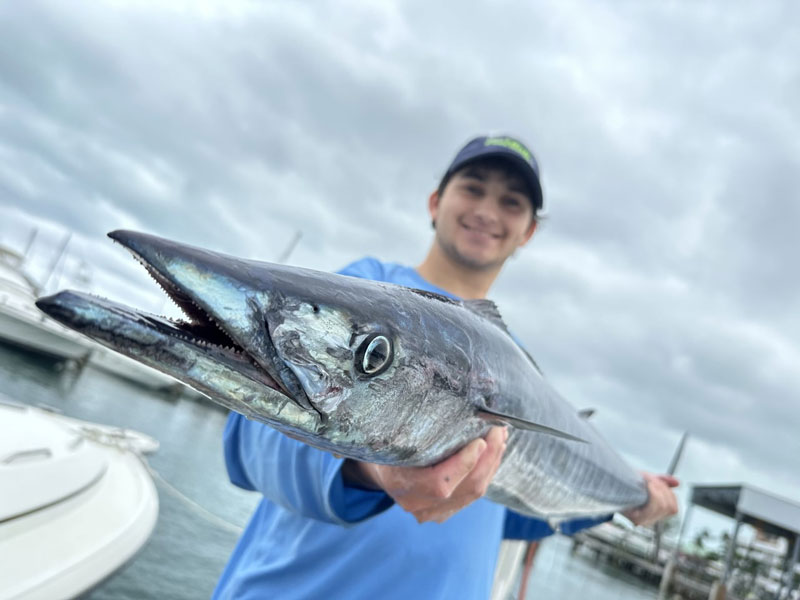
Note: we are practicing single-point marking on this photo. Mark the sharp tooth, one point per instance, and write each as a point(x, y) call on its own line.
point(197, 319)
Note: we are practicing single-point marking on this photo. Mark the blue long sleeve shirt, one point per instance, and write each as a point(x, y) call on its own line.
point(313, 536)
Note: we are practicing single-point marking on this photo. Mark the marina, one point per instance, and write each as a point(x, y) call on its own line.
point(44, 364)
point(200, 513)
point(763, 568)
point(611, 183)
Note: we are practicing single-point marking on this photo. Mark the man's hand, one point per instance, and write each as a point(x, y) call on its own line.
point(662, 502)
point(437, 492)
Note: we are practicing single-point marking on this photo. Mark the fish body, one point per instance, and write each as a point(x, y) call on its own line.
point(367, 370)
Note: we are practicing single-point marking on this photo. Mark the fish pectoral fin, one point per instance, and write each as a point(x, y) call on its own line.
point(498, 417)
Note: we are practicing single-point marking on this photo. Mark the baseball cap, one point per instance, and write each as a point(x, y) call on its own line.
point(507, 147)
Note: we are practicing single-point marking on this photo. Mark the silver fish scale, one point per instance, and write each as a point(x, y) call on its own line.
point(544, 476)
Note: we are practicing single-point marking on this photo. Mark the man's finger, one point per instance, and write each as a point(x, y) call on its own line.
point(449, 474)
point(662, 501)
point(487, 464)
point(669, 480)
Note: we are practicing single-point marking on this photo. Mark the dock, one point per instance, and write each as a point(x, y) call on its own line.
point(631, 552)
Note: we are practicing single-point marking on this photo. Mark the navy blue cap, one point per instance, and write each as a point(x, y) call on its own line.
point(506, 147)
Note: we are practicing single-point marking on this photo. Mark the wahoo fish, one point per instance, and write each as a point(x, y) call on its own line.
point(371, 371)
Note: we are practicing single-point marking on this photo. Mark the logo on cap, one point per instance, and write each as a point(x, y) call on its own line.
point(511, 144)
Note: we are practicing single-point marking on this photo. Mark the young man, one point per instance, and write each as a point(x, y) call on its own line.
point(333, 528)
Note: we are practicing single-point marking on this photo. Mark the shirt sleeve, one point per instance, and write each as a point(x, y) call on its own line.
point(519, 527)
point(366, 268)
point(294, 475)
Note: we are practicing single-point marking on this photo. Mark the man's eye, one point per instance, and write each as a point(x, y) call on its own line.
point(474, 190)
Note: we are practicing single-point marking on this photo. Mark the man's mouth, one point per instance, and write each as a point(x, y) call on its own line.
point(481, 231)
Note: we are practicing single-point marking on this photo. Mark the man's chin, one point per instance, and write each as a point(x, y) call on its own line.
point(473, 259)
point(478, 262)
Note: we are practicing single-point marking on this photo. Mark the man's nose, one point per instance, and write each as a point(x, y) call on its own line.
point(486, 209)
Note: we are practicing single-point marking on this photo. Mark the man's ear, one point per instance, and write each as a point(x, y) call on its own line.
point(433, 206)
point(529, 233)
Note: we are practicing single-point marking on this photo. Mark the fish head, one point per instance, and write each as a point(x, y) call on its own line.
point(342, 363)
point(378, 366)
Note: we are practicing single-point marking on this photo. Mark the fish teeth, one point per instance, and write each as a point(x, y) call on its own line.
point(151, 272)
point(189, 320)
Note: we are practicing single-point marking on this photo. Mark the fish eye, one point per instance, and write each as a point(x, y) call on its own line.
point(374, 355)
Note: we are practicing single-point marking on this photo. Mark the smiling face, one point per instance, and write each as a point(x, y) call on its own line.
point(482, 215)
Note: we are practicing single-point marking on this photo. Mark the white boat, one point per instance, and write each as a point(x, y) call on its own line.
point(77, 502)
point(20, 321)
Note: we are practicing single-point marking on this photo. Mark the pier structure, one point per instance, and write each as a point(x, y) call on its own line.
point(770, 514)
point(633, 550)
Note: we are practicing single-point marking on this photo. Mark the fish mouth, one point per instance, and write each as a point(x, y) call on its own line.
point(216, 320)
point(167, 262)
point(190, 352)
point(106, 321)
point(198, 326)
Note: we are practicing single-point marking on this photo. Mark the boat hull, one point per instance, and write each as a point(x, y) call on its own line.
point(91, 505)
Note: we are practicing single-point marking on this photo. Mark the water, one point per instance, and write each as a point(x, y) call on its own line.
point(187, 551)
point(557, 574)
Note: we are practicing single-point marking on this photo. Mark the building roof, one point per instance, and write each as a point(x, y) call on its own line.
point(763, 510)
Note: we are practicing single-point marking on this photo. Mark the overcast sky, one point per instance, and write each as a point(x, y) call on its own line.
point(662, 289)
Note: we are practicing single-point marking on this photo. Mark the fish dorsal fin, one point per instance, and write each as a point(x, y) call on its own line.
point(494, 416)
point(488, 310)
point(434, 296)
point(530, 358)
point(481, 307)
point(586, 413)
